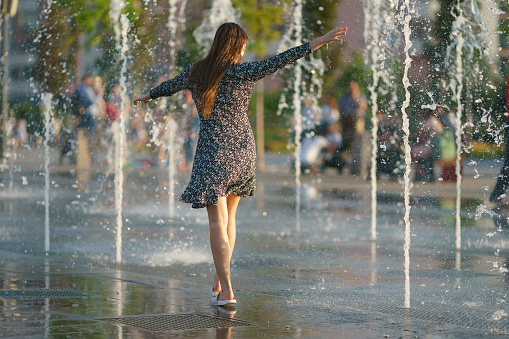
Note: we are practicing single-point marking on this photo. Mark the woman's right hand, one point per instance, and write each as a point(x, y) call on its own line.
point(333, 36)
point(145, 98)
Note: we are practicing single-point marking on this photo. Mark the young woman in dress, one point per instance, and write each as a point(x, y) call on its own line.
point(225, 159)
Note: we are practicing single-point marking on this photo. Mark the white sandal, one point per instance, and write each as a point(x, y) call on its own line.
point(214, 293)
point(215, 302)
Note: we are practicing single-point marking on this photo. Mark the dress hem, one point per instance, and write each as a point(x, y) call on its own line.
point(203, 204)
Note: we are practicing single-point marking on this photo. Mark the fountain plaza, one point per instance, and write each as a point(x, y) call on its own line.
point(318, 277)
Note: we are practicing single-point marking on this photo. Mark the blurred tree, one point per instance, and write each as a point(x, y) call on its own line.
point(436, 50)
point(69, 26)
point(357, 70)
point(146, 42)
point(319, 18)
point(262, 21)
point(504, 36)
point(66, 26)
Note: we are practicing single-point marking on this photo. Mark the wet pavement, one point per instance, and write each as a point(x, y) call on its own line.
point(321, 277)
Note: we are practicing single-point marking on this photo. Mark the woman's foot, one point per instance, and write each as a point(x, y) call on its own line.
point(220, 300)
point(216, 287)
point(213, 292)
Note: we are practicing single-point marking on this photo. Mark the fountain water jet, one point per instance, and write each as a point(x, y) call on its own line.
point(458, 135)
point(371, 34)
point(48, 120)
point(314, 68)
point(405, 11)
point(464, 39)
point(172, 130)
point(296, 29)
point(121, 27)
point(221, 11)
point(171, 126)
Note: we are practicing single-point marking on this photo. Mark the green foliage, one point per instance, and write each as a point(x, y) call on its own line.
point(191, 52)
point(319, 18)
point(276, 130)
point(261, 20)
point(65, 27)
point(504, 24)
point(357, 70)
point(32, 114)
point(146, 25)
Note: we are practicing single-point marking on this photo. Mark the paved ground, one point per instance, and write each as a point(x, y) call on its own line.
point(321, 277)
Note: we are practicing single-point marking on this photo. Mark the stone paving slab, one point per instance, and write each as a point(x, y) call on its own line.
point(323, 312)
point(322, 278)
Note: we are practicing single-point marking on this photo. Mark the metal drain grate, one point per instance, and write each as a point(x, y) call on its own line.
point(178, 322)
point(39, 293)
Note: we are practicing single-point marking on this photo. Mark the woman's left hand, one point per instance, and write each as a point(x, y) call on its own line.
point(333, 36)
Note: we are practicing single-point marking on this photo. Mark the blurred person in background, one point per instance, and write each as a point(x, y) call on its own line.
point(189, 121)
point(352, 107)
point(498, 195)
point(389, 140)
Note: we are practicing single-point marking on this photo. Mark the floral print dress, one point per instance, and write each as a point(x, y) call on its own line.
point(225, 159)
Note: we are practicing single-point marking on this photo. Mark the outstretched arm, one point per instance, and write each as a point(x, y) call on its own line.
point(333, 36)
point(167, 88)
point(256, 70)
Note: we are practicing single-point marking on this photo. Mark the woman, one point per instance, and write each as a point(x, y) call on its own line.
point(225, 160)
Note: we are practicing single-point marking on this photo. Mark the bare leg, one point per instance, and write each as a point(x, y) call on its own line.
point(232, 201)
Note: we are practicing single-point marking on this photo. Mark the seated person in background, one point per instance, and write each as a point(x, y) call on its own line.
point(310, 153)
point(389, 139)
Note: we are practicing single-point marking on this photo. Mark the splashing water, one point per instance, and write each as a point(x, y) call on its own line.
point(406, 17)
point(222, 11)
point(481, 210)
point(172, 131)
point(457, 88)
point(48, 120)
point(120, 137)
point(9, 154)
point(295, 30)
point(174, 19)
point(372, 16)
point(381, 36)
point(465, 42)
point(167, 141)
point(115, 10)
point(314, 69)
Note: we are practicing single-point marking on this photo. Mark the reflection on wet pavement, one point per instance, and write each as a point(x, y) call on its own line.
point(325, 279)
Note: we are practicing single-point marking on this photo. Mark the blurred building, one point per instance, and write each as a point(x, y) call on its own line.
point(504, 38)
point(22, 56)
point(23, 30)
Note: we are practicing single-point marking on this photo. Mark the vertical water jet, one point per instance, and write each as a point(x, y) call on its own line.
point(405, 11)
point(371, 34)
point(48, 121)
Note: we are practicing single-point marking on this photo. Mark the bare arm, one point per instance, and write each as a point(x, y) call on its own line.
point(332, 36)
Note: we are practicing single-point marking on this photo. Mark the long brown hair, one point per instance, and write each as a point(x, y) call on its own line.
point(207, 73)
